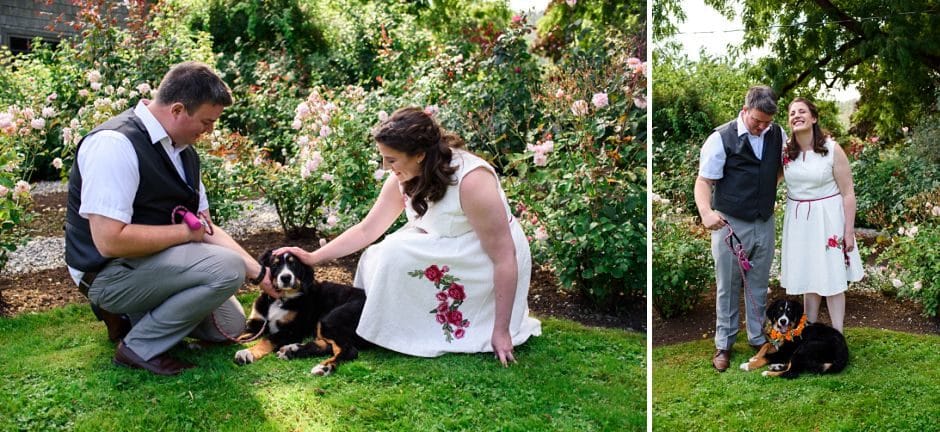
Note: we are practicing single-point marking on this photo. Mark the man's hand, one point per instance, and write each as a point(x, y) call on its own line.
point(268, 288)
point(712, 220)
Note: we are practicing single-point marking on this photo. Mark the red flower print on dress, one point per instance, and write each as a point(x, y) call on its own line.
point(450, 295)
point(834, 242)
point(433, 273)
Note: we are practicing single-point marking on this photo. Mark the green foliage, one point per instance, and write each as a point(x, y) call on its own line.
point(14, 199)
point(492, 101)
point(682, 267)
point(330, 176)
point(58, 375)
point(887, 49)
point(687, 394)
point(219, 154)
point(913, 256)
point(583, 192)
point(686, 115)
point(587, 24)
point(892, 184)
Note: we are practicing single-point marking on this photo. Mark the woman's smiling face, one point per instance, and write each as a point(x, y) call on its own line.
point(404, 167)
point(800, 117)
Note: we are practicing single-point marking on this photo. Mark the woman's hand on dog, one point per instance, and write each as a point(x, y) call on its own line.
point(502, 347)
point(304, 256)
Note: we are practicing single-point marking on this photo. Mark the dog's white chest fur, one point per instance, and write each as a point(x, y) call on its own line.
point(275, 314)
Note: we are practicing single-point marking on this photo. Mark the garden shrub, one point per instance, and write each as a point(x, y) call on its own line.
point(331, 176)
point(682, 267)
point(492, 101)
point(585, 25)
point(888, 179)
point(580, 187)
point(913, 255)
point(14, 194)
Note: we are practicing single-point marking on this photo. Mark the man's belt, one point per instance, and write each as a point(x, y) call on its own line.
point(87, 279)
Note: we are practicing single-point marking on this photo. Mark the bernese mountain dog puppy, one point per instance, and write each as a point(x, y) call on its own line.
point(796, 346)
point(327, 311)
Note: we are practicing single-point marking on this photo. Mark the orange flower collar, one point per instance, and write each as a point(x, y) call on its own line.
point(777, 338)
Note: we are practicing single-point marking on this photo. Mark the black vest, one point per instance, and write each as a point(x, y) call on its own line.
point(161, 189)
point(749, 185)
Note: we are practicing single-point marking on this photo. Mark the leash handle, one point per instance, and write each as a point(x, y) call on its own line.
point(193, 221)
point(737, 249)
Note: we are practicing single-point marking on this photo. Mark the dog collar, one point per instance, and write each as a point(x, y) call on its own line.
point(777, 338)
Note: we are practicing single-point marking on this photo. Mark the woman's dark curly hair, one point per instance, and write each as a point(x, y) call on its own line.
point(819, 137)
point(412, 131)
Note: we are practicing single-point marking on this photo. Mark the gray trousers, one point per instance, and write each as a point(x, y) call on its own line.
point(173, 294)
point(758, 238)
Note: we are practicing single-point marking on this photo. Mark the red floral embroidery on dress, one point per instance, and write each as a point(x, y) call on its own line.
point(450, 295)
point(785, 160)
point(836, 242)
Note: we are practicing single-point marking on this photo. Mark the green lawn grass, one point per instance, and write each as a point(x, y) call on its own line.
point(57, 375)
point(891, 384)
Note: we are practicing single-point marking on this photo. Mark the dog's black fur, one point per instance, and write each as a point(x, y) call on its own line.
point(819, 348)
point(328, 311)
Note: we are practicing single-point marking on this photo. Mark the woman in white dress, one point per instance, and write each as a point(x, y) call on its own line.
point(819, 255)
point(455, 278)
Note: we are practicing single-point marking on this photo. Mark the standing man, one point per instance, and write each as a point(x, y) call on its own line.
point(122, 248)
point(737, 184)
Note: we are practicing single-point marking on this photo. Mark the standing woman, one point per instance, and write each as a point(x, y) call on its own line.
point(819, 255)
point(455, 278)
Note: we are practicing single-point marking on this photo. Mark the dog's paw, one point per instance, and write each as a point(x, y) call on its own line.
point(244, 357)
point(777, 367)
point(746, 366)
point(321, 370)
point(765, 373)
point(287, 351)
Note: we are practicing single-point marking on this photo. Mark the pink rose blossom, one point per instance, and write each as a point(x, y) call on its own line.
point(143, 88)
point(445, 269)
point(94, 76)
point(327, 177)
point(325, 131)
point(95, 86)
point(38, 123)
point(935, 211)
point(541, 234)
point(4, 191)
point(21, 189)
point(539, 159)
point(52, 96)
point(600, 100)
point(378, 174)
point(571, 3)
point(296, 124)
point(579, 108)
point(48, 112)
point(431, 110)
point(873, 139)
point(559, 93)
point(517, 18)
point(83, 93)
point(383, 116)
point(331, 221)
point(640, 101)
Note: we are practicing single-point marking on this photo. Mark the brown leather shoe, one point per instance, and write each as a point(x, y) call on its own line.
point(118, 324)
point(721, 360)
point(162, 364)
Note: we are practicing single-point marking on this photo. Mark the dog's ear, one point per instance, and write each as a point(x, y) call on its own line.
point(265, 258)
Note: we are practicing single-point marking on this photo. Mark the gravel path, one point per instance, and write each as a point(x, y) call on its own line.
point(43, 253)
